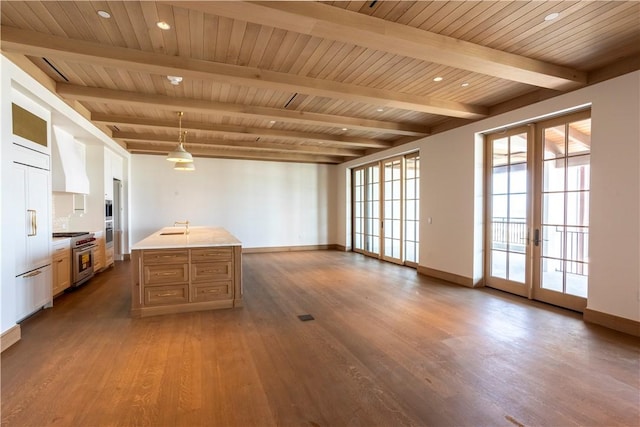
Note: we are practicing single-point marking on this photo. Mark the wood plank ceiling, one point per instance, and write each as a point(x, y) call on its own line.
point(308, 81)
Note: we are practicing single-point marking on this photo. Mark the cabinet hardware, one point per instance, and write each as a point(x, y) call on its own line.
point(168, 294)
point(34, 225)
point(35, 273)
point(172, 273)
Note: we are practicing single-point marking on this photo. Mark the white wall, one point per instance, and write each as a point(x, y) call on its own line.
point(264, 204)
point(451, 193)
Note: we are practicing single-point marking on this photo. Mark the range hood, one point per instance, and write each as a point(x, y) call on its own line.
point(69, 174)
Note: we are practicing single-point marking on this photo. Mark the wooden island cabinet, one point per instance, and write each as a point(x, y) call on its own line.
point(175, 271)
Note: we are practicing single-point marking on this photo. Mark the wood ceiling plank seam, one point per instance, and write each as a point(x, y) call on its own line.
point(138, 25)
point(405, 75)
point(65, 13)
point(474, 13)
point(349, 56)
point(310, 46)
point(335, 62)
point(249, 40)
point(368, 61)
point(261, 45)
point(321, 49)
point(238, 29)
point(320, 65)
point(123, 25)
point(456, 10)
point(271, 49)
point(38, 11)
point(210, 34)
point(182, 30)
point(357, 5)
point(584, 33)
point(11, 16)
point(166, 14)
point(505, 13)
point(400, 10)
point(422, 18)
point(94, 23)
point(513, 22)
point(150, 16)
point(438, 13)
point(556, 28)
point(385, 73)
point(356, 58)
point(197, 40)
point(286, 48)
point(464, 31)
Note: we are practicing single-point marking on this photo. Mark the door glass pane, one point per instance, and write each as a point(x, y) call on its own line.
point(518, 178)
point(577, 283)
point(552, 241)
point(577, 208)
point(578, 173)
point(517, 267)
point(553, 208)
point(553, 175)
point(500, 180)
point(552, 274)
point(554, 144)
point(500, 151)
point(579, 141)
point(499, 264)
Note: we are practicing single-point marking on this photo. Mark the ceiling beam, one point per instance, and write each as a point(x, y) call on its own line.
point(40, 44)
point(221, 153)
point(172, 142)
point(147, 123)
point(169, 103)
point(333, 23)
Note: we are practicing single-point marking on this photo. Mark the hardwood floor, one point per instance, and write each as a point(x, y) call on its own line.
point(387, 347)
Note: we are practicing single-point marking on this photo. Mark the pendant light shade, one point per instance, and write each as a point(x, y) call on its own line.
point(180, 155)
point(184, 166)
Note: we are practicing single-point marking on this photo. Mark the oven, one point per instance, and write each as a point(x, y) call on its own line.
point(83, 248)
point(108, 233)
point(108, 209)
point(82, 264)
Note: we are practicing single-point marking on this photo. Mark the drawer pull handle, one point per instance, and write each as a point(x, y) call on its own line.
point(60, 260)
point(213, 291)
point(172, 273)
point(35, 273)
point(167, 294)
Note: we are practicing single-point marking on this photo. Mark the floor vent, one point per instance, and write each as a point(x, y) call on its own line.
point(305, 317)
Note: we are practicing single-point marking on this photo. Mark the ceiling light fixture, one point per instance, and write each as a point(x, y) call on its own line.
point(163, 25)
point(174, 80)
point(180, 155)
point(379, 110)
point(438, 79)
point(184, 166)
point(103, 14)
point(551, 16)
point(465, 84)
point(345, 129)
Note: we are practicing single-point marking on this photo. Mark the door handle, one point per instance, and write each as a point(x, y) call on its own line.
point(536, 237)
point(33, 226)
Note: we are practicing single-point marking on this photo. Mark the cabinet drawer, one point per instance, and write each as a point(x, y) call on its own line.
point(165, 257)
point(211, 254)
point(162, 295)
point(171, 273)
point(209, 271)
point(212, 291)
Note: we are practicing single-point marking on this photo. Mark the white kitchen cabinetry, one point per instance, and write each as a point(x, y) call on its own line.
point(30, 203)
point(108, 175)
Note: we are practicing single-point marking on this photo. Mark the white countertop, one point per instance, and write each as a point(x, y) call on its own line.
point(198, 237)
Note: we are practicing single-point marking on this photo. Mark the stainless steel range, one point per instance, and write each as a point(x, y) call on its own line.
point(82, 250)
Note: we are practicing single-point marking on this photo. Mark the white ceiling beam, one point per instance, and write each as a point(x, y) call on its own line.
point(40, 44)
point(333, 23)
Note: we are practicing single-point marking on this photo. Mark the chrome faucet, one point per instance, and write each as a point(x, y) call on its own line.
point(185, 223)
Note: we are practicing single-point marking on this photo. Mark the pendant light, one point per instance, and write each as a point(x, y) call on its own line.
point(184, 166)
point(180, 155)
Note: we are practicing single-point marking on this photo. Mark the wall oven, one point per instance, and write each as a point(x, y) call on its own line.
point(108, 233)
point(108, 209)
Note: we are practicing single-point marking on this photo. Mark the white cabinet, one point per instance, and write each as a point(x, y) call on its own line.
point(30, 218)
point(108, 175)
point(33, 291)
point(30, 208)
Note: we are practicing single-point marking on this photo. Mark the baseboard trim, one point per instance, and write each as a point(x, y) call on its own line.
point(449, 277)
point(342, 248)
point(289, 249)
point(126, 257)
point(10, 337)
point(610, 321)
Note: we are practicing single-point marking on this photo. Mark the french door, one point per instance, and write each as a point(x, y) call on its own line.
point(538, 210)
point(385, 209)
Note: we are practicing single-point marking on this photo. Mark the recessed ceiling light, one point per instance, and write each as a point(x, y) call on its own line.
point(345, 129)
point(438, 79)
point(104, 14)
point(379, 110)
point(272, 122)
point(174, 80)
point(163, 25)
point(551, 16)
point(465, 84)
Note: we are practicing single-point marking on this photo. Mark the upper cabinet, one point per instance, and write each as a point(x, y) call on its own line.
point(69, 163)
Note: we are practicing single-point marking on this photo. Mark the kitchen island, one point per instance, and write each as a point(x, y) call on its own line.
point(177, 270)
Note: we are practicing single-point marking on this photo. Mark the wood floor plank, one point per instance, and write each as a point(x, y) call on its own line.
point(387, 347)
